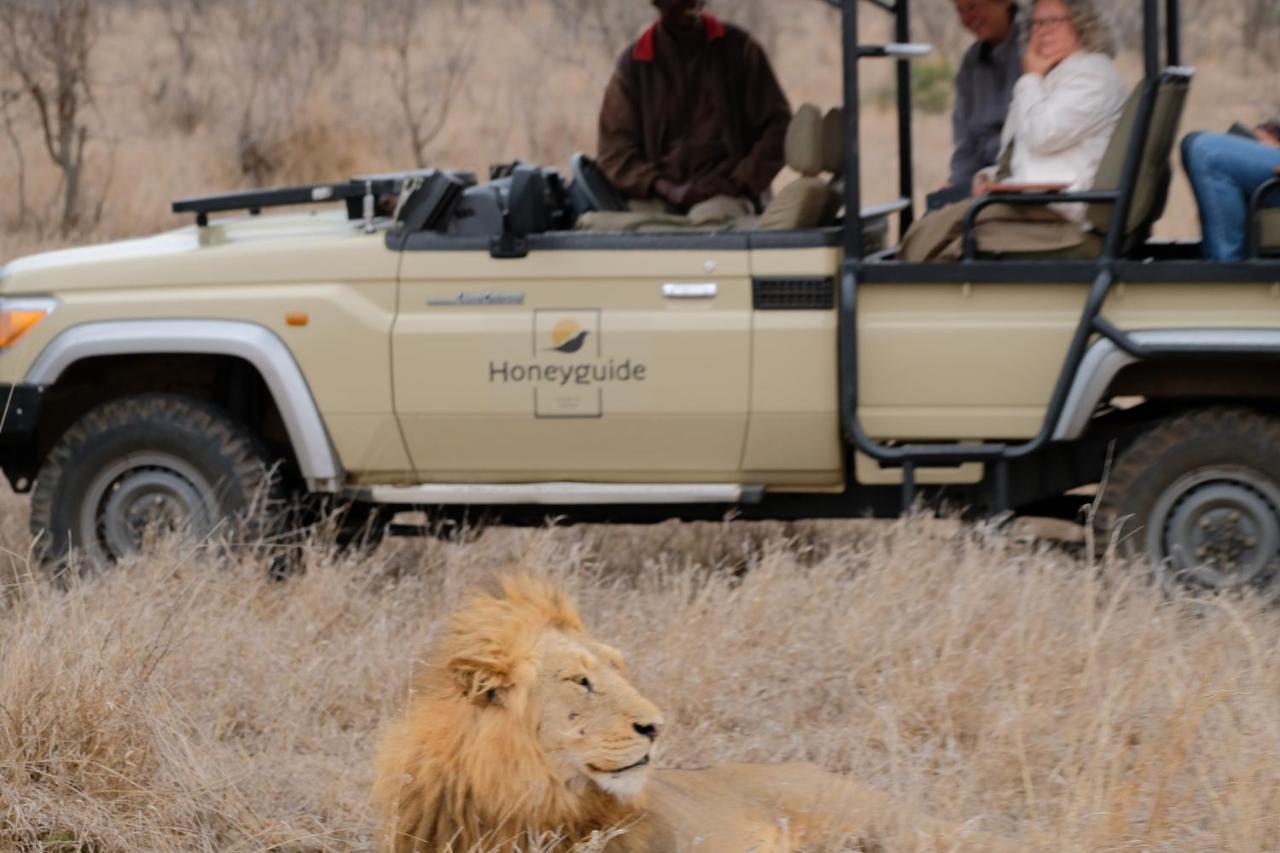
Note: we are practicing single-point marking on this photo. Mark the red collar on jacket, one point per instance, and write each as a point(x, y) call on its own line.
point(643, 51)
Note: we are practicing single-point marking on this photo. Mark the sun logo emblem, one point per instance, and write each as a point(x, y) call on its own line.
point(568, 337)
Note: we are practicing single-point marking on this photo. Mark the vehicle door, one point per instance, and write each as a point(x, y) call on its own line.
point(594, 358)
point(793, 434)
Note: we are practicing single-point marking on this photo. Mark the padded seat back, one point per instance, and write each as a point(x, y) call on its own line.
point(809, 201)
point(804, 141)
point(1271, 231)
point(1155, 169)
point(833, 141)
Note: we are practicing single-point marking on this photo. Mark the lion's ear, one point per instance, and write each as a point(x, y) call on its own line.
point(480, 682)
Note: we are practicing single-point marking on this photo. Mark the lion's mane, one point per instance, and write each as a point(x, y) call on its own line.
point(451, 777)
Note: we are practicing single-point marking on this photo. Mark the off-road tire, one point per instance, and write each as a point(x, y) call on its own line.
point(1188, 476)
point(171, 451)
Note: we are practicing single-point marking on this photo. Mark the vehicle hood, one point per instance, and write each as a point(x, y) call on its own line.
point(251, 249)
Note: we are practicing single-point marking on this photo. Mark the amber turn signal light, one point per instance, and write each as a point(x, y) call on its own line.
point(18, 316)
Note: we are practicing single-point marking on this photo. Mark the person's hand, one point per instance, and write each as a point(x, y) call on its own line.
point(1035, 62)
point(981, 182)
point(673, 193)
point(711, 186)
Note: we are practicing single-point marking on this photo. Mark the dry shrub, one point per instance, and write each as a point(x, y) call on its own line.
point(315, 147)
point(203, 96)
point(181, 704)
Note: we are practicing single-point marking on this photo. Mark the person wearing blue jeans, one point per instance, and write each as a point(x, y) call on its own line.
point(1225, 170)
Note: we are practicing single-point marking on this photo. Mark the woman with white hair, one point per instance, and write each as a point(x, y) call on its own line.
point(1065, 107)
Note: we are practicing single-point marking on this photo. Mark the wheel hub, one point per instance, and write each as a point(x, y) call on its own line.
point(1219, 527)
point(146, 492)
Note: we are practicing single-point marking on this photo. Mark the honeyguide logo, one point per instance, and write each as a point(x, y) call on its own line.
point(568, 337)
point(568, 374)
point(567, 333)
point(568, 371)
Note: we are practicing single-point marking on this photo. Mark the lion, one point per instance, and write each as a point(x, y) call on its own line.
point(523, 732)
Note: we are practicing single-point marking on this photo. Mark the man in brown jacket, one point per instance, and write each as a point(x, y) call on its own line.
point(693, 113)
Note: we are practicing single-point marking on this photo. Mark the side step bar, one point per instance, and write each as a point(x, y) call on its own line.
point(558, 494)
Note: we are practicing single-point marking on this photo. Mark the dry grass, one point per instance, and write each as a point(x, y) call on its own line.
point(185, 702)
point(182, 703)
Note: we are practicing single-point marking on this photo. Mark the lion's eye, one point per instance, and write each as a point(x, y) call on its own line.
point(583, 681)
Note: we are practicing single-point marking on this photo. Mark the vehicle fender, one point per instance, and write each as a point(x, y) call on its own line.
point(1104, 361)
point(255, 344)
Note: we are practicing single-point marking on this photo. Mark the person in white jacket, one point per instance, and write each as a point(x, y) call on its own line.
point(1065, 107)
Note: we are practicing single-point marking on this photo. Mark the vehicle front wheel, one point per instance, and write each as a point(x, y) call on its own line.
point(1199, 494)
point(155, 461)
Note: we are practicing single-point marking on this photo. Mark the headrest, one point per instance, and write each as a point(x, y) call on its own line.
point(833, 141)
point(527, 202)
point(804, 141)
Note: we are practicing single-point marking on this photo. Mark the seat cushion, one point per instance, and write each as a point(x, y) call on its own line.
point(804, 203)
point(721, 210)
point(1002, 230)
point(616, 221)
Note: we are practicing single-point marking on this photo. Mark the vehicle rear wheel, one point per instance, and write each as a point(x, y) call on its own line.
point(157, 461)
point(1200, 495)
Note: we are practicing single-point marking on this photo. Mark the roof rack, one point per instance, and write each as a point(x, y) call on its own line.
point(359, 193)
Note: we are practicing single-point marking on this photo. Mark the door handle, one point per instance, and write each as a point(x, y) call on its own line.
point(690, 290)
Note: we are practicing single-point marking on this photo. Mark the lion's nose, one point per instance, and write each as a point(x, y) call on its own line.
point(649, 730)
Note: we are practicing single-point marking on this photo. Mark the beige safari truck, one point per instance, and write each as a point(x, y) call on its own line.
point(479, 354)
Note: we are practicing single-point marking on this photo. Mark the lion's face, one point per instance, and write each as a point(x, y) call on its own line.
point(593, 726)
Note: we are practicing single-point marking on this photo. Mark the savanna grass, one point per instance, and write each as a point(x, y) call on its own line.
point(187, 701)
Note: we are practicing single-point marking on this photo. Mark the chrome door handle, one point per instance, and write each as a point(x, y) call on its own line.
point(699, 290)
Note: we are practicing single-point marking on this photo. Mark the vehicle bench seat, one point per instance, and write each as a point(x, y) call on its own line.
point(1150, 189)
point(812, 148)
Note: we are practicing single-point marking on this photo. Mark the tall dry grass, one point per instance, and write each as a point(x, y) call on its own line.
point(189, 702)
point(186, 703)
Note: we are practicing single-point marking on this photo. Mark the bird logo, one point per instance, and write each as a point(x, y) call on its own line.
point(568, 337)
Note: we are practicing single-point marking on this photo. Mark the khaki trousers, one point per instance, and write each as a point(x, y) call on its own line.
point(1000, 229)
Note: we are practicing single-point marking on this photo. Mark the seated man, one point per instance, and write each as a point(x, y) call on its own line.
point(694, 115)
point(984, 86)
point(1225, 171)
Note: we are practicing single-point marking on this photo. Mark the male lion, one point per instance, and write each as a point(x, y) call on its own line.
point(523, 728)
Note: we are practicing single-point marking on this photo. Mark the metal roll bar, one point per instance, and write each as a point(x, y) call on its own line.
point(911, 456)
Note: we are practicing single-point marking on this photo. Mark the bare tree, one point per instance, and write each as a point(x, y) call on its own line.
point(607, 25)
point(1262, 17)
point(48, 45)
point(9, 98)
point(425, 81)
point(185, 20)
point(176, 94)
point(271, 59)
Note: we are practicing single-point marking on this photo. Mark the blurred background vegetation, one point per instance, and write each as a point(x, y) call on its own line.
point(111, 108)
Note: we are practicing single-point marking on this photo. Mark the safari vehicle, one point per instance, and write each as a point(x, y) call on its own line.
point(475, 354)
